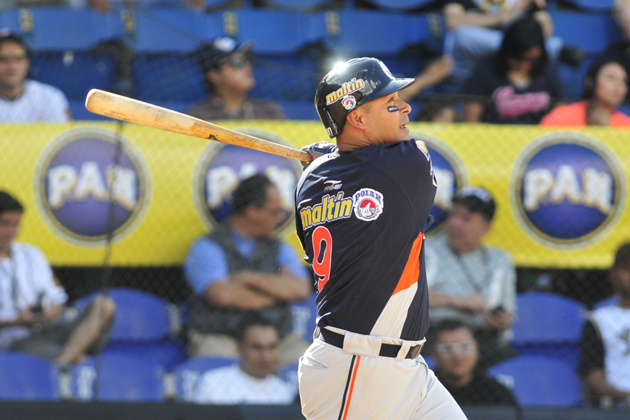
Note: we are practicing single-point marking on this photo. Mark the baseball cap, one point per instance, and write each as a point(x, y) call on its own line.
point(476, 200)
point(211, 55)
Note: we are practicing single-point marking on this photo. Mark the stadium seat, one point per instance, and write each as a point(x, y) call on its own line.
point(113, 376)
point(401, 5)
point(304, 315)
point(572, 79)
point(548, 324)
point(80, 113)
point(174, 30)
point(298, 110)
point(289, 373)
point(167, 353)
point(26, 377)
point(539, 381)
point(140, 316)
point(592, 32)
point(167, 77)
point(593, 5)
point(609, 301)
point(188, 373)
point(303, 5)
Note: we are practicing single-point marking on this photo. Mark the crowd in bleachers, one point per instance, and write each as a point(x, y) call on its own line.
point(194, 56)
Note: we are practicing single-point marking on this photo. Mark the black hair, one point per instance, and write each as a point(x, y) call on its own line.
point(448, 324)
point(590, 79)
point(9, 203)
point(11, 37)
point(251, 191)
point(252, 320)
point(520, 37)
point(622, 256)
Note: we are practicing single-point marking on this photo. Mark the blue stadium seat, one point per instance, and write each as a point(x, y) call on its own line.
point(113, 376)
point(289, 373)
point(26, 377)
point(167, 77)
point(548, 324)
point(297, 73)
point(82, 29)
point(539, 381)
point(572, 80)
point(174, 30)
point(298, 110)
point(592, 32)
point(140, 316)
point(400, 5)
point(609, 301)
point(166, 353)
point(74, 73)
point(303, 5)
point(305, 314)
point(593, 5)
point(188, 373)
point(429, 360)
point(80, 113)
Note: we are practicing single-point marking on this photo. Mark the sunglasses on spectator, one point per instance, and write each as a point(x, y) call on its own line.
point(237, 61)
point(446, 349)
point(17, 57)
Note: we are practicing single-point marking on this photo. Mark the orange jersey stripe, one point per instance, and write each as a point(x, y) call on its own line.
point(354, 375)
point(412, 268)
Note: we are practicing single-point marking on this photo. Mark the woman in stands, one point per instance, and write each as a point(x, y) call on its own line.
point(605, 88)
point(517, 85)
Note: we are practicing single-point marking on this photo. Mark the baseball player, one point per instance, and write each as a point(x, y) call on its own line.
point(361, 214)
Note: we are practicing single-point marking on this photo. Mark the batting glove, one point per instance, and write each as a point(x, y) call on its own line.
point(318, 150)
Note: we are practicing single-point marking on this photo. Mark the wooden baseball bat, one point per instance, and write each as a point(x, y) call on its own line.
point(127, 109)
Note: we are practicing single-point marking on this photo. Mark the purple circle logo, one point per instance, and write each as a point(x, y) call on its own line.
point(89, 182)
point(567, 188)
point(450, 173)
point(221, 167)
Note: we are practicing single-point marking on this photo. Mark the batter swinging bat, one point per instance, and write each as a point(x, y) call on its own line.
point(127, 109)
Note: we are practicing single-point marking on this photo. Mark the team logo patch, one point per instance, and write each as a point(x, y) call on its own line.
point(368, 204)
point(349, 102)
point(221, 167)
point(423, 148)
point(345, 90)
point(567, 188)
point(449, 174)
point(86, 186)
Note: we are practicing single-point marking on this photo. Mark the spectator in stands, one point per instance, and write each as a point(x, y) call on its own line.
point(456, 354)
point(605, 88)
point(253, 380)
point(241, 270)
point(517, 85)
point(470, 281)
point(620, 51)
point(228, 75)
point(33, 318)
point(605, 347)
point(475, 32)
point(22, 99)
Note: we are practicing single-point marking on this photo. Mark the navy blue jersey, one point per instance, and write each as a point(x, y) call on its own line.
point(361, 217)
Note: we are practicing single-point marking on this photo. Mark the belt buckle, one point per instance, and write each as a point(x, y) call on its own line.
point(415, 352)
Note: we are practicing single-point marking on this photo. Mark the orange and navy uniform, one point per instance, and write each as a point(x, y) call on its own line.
point(361, 217)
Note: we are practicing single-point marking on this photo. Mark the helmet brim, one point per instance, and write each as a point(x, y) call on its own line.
point(393, 86)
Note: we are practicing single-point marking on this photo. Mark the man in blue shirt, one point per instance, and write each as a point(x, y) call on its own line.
point(241, 271)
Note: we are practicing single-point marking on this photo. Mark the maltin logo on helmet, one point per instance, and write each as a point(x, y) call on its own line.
point(368, 204)
point(450, 173)
point(221, 167)
point(85, 186)
point(346, 89)
point(567, 188)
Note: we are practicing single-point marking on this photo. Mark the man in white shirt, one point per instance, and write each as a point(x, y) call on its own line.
point(33, 318)
point(252, 381)
point(23, 100)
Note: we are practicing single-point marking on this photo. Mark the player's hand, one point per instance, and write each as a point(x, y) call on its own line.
point(318, 150)
point(473, 303)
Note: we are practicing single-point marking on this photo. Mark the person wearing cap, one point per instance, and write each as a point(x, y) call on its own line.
point(470, 281)
point(605, 345)
point(23, 100)
point(228, 76)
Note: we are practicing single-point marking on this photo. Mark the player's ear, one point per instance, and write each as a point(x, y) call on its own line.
point(356, 118)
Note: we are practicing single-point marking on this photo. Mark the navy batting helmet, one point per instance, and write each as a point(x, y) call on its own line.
point(350, 85)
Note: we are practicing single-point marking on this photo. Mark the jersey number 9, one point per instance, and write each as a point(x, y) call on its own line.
point(322, 253)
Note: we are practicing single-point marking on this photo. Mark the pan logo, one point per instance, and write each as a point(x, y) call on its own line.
point(567, 188)
point(450, 173)
point(86, 186)
point(221, 167)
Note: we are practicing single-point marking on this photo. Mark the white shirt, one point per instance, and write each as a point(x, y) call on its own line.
point(613, 323)
point(38, 102)
point(231, 385)
point(23, 278)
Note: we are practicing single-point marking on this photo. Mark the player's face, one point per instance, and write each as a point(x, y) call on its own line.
point(9, 228)
point(456, 353)
point(235, 74)
point(13, 65)
point(264, 220)
point(611, 86)
point(466, 229)
point(259, 351)
point(386, 124)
